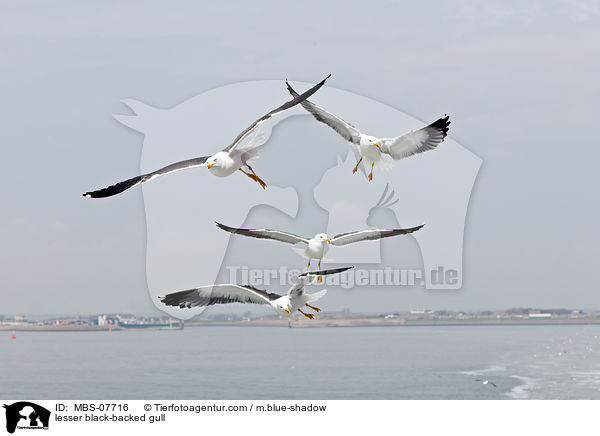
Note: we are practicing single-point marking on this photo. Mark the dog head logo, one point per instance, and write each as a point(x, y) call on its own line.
point(26, 415)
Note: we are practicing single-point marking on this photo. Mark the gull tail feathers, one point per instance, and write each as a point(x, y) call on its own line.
point(384, 164)
point(300, 251)
point(251, 149)
point(316, 295)
point(258, 139)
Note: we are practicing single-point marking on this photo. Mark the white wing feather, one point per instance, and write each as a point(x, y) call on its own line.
point(417, 141)
point(277, 235)
point(369, 235)
point(252, 127)
point(347, 131)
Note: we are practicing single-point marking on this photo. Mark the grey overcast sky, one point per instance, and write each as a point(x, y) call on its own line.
point(519, 79)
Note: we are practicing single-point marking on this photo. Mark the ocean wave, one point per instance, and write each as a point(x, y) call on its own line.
point(522, 391)
point(488, 370)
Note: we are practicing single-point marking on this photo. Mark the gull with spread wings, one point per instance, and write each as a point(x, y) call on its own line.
point(317, 246)
point(370, 149)
point(222, 164)
point(486, 382)
point(295, 299)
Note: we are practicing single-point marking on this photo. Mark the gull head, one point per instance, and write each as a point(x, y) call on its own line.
point(369, 140)
point(220, 164)
point(283, 306)
point(213, 161)
point(322, 237)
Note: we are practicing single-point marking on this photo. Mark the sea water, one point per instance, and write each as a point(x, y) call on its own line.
point(406, 362)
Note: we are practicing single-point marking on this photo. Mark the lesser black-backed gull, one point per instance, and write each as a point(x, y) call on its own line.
point(295, 299)
point(317, 246)
point(222, 164)
point(370, 149)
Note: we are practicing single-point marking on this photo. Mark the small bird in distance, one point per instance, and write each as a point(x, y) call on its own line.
point(486, 382)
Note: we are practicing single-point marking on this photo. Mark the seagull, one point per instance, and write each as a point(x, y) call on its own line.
point(317, 246)
point(295, 299)
point(221, 164)
point(370, 148)
point(486, 382)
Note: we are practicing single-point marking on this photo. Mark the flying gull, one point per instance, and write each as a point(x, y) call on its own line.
point(295, 299)
point(317, 246)
point(369, 149)
point(221, 164)
point(486, 382)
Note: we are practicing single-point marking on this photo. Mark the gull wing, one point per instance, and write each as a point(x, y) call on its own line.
point(126, 184)
point(129, 183)
point(305, 278)
point(276, 235)
point(218, 294)
point(417, 141)
point(347, 131)
point(370, 235)
point(293, 102)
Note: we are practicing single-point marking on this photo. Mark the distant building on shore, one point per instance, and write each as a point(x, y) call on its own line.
point(539, 314)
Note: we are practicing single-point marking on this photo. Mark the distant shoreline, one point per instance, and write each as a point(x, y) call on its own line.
point(324, 322)
point(79, 328)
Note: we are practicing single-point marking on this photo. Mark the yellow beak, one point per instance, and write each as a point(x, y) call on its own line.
point(376, 144)
point(286, 309)
point(328, 240)
point(209, 166)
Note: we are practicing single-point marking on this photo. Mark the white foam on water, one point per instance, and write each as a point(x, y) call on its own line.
point(522, 391)
point(488, 370)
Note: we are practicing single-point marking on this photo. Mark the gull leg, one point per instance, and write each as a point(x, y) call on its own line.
point(308, 266)
point(258, 179)
point(371, 173)
point(255, 178)
point(308, 315)
point(248, 174)
point(316, 309)
point(356, 167)
point(320, 278)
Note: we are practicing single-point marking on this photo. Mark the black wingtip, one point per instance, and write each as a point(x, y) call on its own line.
point(442, 124)
point(325, 79)
point(178, 299)
point(290, 89)
point(318, 84)
point(114, 189)
point(224, 227)
point(321, 82)
point(326, 272)
point(412, 229)
point(101, 193)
